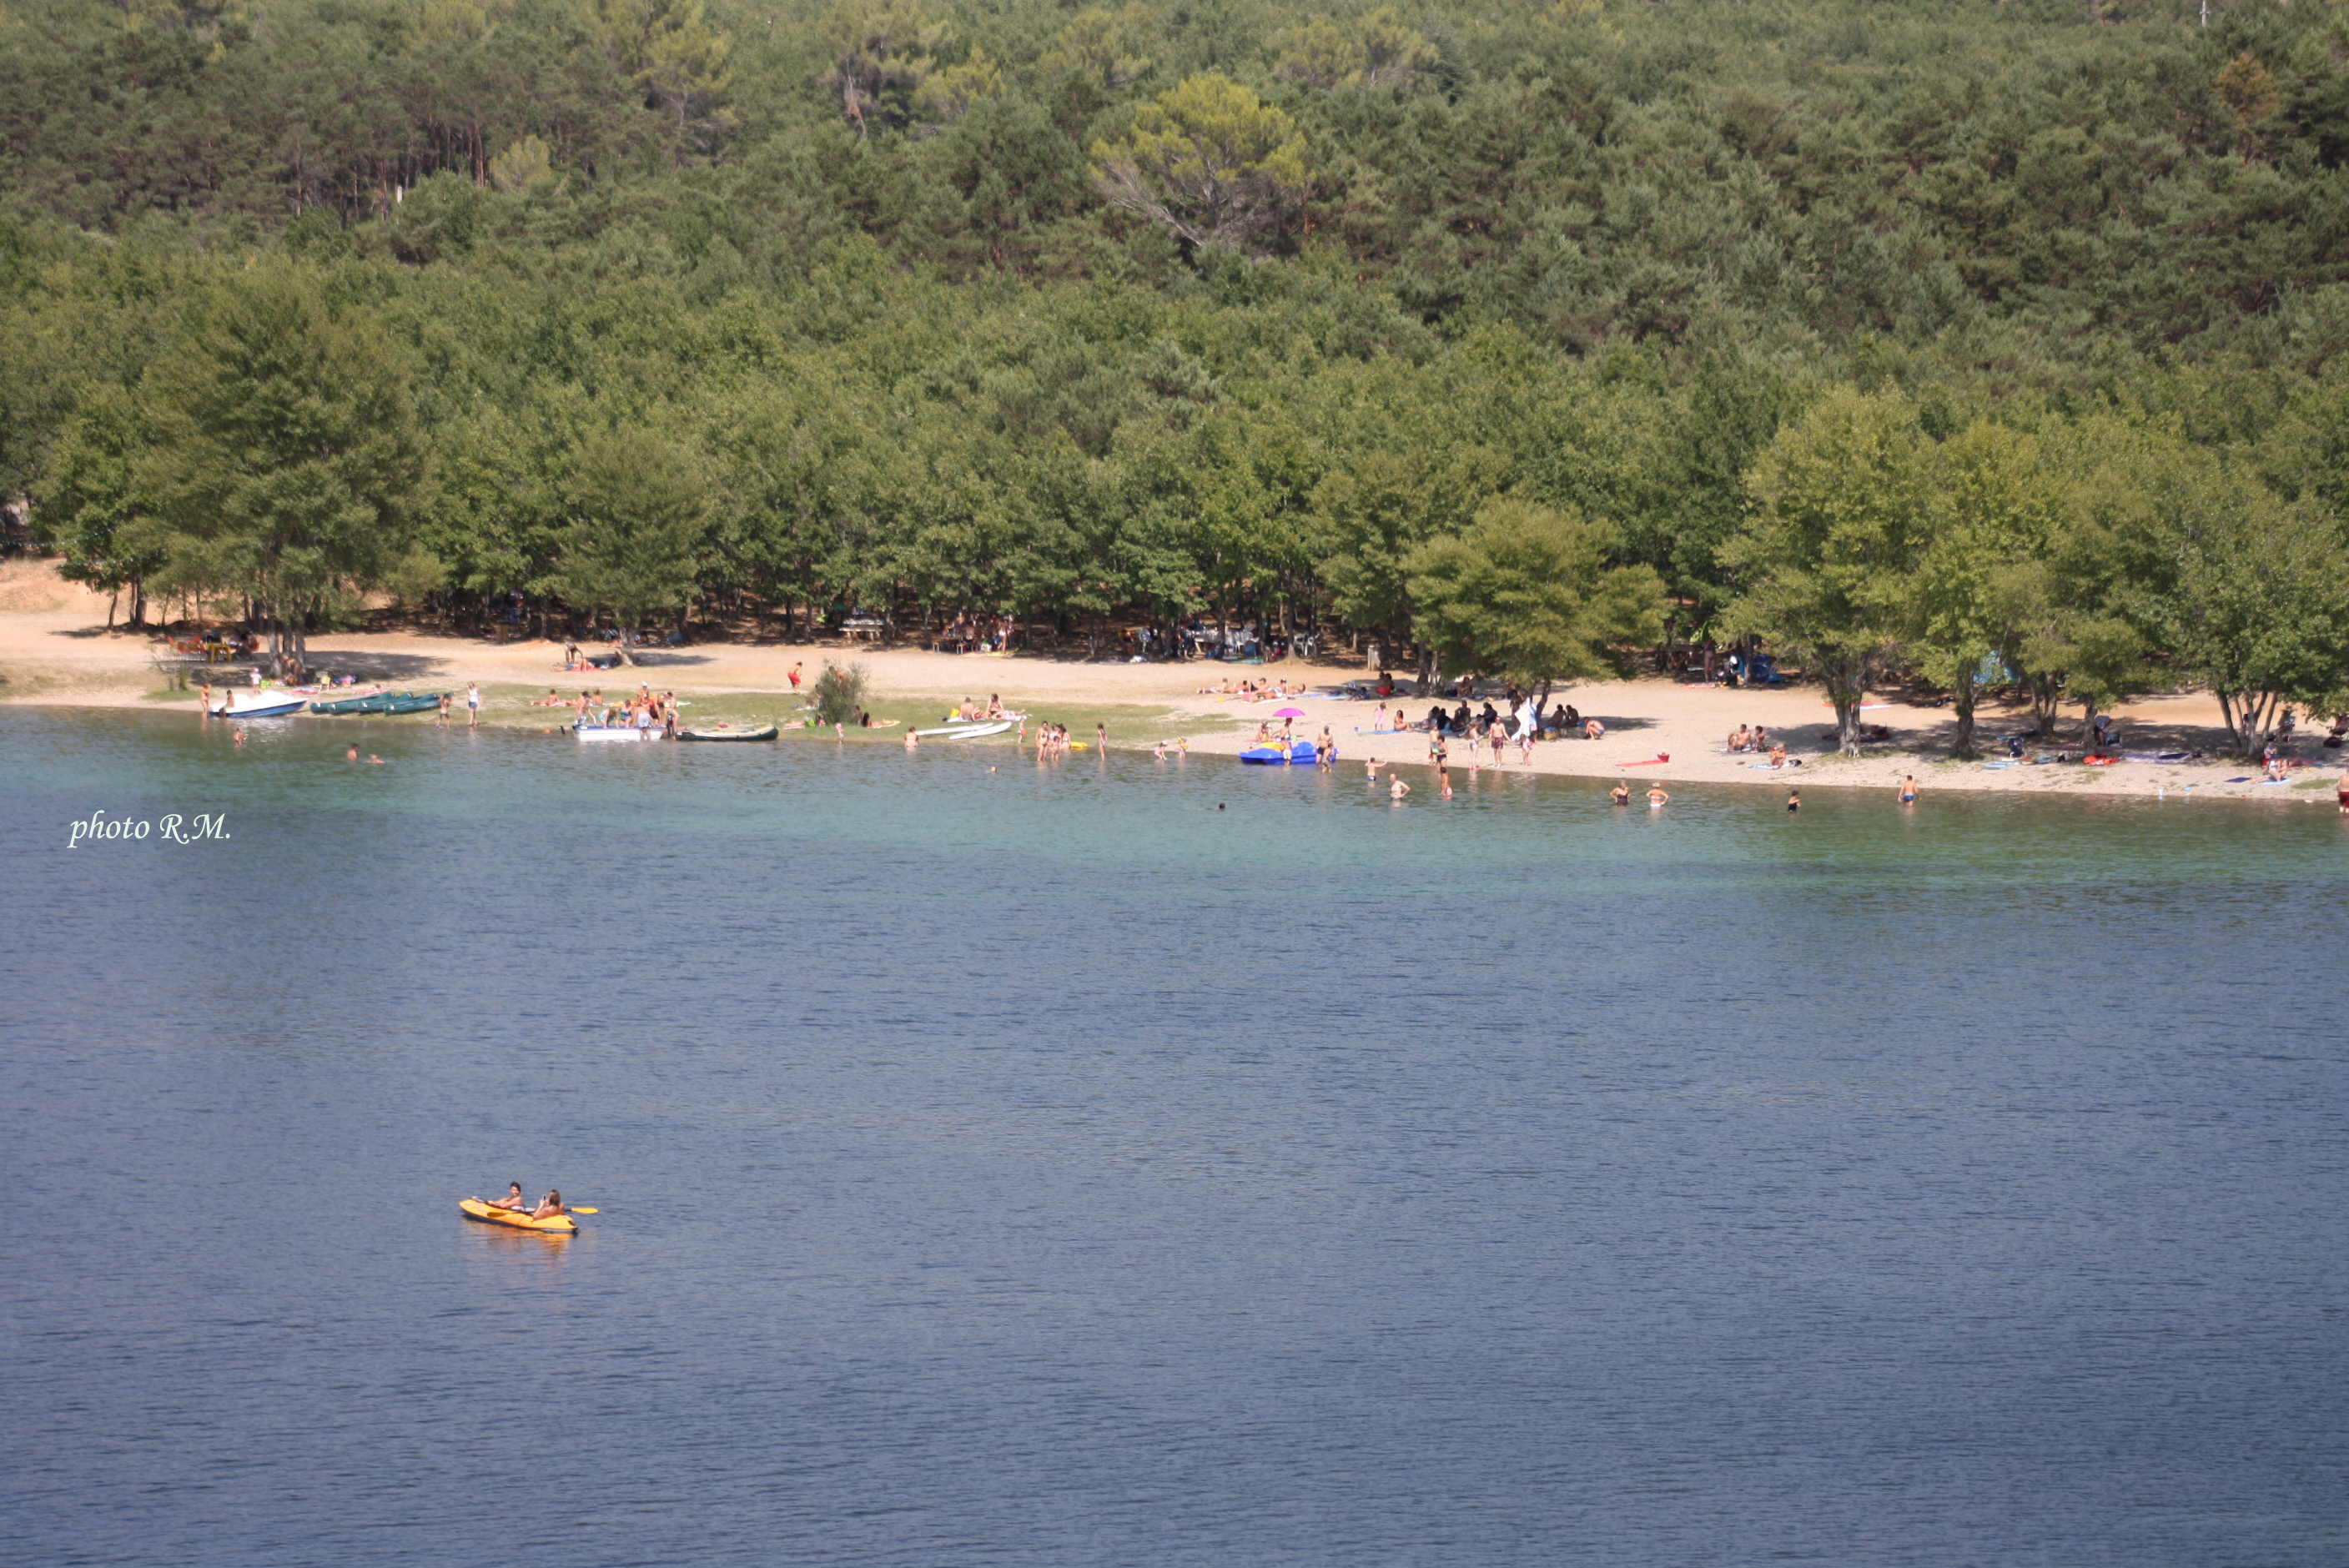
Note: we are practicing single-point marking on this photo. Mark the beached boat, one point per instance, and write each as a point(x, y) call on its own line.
point(614, 732)
point(381, 702)
point(969, 731)
point(257, 704)
point(727, 732)
point(1273, 756)
point(553, 1224)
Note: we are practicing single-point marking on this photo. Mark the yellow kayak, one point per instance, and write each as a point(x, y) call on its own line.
point(475, 1209)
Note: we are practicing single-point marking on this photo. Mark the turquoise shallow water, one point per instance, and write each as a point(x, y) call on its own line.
point(1047, 1167)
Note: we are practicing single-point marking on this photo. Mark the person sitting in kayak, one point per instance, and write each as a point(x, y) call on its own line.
point(513, 1200)
point(549, 1206)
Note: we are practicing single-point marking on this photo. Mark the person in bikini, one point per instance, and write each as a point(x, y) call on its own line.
point(1620, 795)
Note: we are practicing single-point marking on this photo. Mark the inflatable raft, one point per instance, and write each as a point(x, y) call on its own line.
point(520, 1220)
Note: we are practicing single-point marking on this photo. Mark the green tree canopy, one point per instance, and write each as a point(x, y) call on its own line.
point(1527, 593)
point(639, 509)
point(284, 463)
point(1211, 161)
point(1845, 498)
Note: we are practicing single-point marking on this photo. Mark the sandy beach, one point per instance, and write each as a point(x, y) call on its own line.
point(55, 649)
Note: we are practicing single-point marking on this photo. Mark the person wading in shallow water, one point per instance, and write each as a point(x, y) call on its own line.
point(1793, 801)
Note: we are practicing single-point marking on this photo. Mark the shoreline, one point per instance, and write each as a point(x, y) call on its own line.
point(54, 656)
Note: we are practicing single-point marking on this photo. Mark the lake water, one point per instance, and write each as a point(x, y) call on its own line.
point(1047, 1167)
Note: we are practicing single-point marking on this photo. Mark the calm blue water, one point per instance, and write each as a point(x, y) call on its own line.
point(1047, 1168)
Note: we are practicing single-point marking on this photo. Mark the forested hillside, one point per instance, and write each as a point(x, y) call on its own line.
point(1900, 333)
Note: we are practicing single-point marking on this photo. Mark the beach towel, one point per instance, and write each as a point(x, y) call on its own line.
point(2009, 762)
point(1647, 762)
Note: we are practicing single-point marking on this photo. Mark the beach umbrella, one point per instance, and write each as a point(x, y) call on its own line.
point(1289, 713)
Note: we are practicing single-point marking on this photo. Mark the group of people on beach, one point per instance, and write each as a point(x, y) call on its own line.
point(646, 710)
point(1252, 691)
point(1758, 740)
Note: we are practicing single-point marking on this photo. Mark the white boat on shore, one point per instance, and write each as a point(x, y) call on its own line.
point(256, 703)
point(969, 731)
point(614, 732)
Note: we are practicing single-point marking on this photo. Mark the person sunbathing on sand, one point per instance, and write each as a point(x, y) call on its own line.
point(1779, 755)
point(1742, 739)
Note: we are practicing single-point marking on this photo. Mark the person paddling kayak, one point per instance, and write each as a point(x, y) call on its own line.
point(513, 1200)
point(548, 1206)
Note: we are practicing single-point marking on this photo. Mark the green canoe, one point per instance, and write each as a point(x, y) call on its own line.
point(382, 702)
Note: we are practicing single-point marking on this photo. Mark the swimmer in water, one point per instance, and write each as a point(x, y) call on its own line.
point(1909, 790)
point(1656, 798)
point(373, 760)
point(1620, 795)
point(1793, 801)
point(1397, 788)
point(351, 755)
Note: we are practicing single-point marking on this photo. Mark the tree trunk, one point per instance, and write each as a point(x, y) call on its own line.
point(1963, 700)
point(1846, 688)
point(2245, 713)
point(112, 600)
point(2047, 691)
point(138, 602)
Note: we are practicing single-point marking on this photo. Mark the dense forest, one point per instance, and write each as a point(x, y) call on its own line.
point(1973, 343)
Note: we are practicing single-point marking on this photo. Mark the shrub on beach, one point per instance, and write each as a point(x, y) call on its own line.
point(837, 692)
